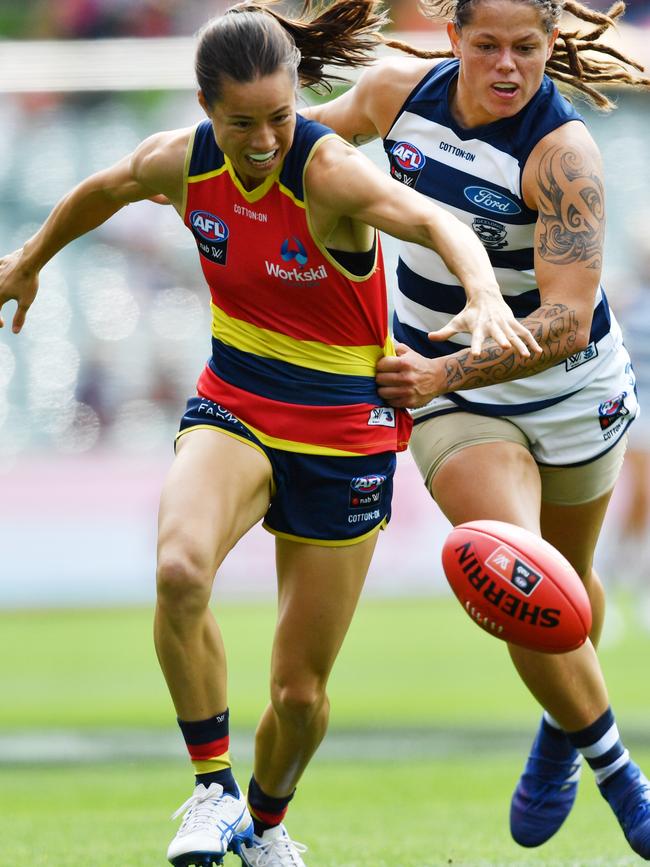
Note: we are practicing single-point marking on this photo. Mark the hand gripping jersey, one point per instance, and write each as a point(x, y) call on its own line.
point(476, 175)
point(295, 337)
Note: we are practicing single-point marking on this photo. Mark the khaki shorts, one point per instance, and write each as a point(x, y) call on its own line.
point(439, 437)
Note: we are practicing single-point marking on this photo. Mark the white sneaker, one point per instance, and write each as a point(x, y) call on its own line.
point(274, 848)
point(214, 823)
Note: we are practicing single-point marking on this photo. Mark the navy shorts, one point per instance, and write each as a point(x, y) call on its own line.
point(319, 499)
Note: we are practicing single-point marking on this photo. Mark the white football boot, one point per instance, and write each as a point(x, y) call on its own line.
point(214, 823)
point(274, 848)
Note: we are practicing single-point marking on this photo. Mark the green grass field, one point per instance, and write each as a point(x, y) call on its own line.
point(408, 666)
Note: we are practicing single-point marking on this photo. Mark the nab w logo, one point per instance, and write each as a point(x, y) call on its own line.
point(292, 249)
point(407, 156)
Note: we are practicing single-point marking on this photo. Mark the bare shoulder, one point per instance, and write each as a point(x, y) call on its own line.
point(158, 162)
point(567, 153)
point(563, 181)
point(332, 159)
point(369, 108)
point(385, 86)
point(339, 175)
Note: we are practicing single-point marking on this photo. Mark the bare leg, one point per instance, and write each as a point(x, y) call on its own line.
point(217, 489)
point(319, 588)
point(504, 483)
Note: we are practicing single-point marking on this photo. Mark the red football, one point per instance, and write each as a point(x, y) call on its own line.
point(516, 586)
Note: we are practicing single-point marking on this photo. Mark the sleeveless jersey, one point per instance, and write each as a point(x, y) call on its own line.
point(475, 174)
point(295, 337)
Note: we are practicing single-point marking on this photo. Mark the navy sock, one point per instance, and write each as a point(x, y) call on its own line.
point(267, 812)
point(554, 742)
point(601, 746)
point(208, 742)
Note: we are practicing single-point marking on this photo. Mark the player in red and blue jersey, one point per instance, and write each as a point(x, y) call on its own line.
point(287, 425)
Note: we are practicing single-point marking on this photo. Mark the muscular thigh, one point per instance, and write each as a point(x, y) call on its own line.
point(478, 468)
point(574, 502)
point(217, 488)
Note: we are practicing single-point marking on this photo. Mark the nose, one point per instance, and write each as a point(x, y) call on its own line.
point(505, 62)
point(263, 138)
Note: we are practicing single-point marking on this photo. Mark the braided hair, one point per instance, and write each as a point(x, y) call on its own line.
point(579, 60)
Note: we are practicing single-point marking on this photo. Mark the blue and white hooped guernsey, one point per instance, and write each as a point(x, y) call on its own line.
point(476, 175)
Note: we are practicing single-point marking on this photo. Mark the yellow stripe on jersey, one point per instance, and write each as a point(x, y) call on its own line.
point(196, 179)
point(301, 448)
point(344, 360)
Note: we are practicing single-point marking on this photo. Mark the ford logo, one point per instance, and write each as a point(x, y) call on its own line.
point(407, 156)
point(208, 226)
point(491, 201)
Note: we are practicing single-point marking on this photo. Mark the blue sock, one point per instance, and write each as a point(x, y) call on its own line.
point(553, 741)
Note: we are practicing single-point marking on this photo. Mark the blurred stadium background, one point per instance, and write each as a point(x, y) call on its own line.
point(91, 391)
point(90, 396)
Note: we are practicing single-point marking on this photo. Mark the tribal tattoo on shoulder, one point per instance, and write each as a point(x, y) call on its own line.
point(554, 326)
point(571, 209)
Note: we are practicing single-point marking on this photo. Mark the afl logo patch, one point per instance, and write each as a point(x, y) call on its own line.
point(611, 410)
point(367, 484)
point(406, 162)
point(211, 234)
point(365, 491)
point(490, 200)
point(407, 156)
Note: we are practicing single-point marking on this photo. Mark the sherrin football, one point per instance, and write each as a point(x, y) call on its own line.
point(516, 586)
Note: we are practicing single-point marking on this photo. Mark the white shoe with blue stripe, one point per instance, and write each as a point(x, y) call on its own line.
point(215, 822)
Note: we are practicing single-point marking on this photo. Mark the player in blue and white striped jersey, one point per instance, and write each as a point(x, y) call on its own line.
point(537, 442)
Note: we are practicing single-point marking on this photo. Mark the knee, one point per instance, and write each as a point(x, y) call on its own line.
point(183, 583)
point(299, 701)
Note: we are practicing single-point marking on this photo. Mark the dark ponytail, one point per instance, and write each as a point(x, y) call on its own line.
point(252, 39)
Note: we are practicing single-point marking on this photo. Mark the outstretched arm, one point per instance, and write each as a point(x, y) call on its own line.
point(155, 168)
point(563, 182)
point(344, 187)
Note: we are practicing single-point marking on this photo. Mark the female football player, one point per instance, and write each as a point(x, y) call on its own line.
point(287, 425)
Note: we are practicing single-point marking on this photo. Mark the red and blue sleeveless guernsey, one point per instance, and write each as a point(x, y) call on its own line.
point(295, 337)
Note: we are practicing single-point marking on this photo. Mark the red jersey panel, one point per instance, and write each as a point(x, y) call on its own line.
point(296, 337)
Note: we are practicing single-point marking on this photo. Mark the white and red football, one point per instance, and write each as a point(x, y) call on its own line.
point(517, 586)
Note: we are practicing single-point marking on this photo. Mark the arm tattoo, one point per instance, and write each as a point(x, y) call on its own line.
point(571, 209)
point(555, 328)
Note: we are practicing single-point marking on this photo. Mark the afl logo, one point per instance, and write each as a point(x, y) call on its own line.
point(490, 200)
point(367, 484)
point(209, 227)
point(407, 156)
